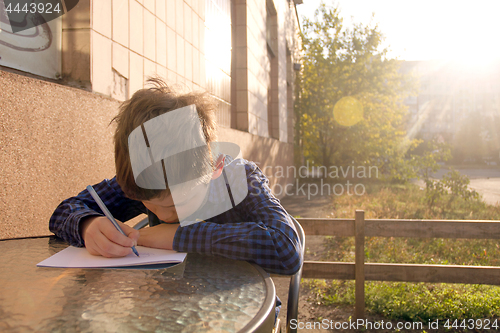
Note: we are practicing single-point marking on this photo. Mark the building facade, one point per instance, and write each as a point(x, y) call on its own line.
point(56, 138)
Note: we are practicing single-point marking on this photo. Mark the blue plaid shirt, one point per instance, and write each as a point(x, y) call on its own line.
point(258, 229)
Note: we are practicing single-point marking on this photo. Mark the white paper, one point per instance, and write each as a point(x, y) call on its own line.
point(78, 257)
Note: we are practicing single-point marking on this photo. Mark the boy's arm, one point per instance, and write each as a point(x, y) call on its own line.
point(67, 220)
point(267, 238)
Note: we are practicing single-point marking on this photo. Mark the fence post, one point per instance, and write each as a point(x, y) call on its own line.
point(359, 227)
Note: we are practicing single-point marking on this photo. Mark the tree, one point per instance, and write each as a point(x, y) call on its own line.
point(343, 63)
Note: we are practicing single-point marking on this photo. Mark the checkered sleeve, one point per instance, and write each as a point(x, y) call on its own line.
point(267, 236)
point(66, 219)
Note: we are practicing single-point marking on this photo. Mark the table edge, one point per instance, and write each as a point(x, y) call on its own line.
point(263, 321)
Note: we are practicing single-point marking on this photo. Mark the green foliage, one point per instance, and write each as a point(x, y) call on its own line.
point(434, 191)
point(420, 161)
point(340, 62)
point(458, 185)
point(426, 160)
point(455, 184)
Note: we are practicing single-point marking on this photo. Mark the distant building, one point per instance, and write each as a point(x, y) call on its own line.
point(448, 96)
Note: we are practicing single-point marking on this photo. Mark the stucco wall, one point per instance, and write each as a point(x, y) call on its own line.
point(55, 140)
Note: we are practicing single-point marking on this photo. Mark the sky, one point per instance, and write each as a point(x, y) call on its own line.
point(463, 31)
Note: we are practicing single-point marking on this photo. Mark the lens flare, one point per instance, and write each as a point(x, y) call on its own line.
point(348, 111)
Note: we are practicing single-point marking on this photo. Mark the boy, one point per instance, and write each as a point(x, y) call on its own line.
point(166, 164)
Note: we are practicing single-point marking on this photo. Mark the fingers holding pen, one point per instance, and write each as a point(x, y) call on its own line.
point(111, 233)
point(102, 238)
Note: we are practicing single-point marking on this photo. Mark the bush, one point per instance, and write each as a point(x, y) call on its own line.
point(454, 186)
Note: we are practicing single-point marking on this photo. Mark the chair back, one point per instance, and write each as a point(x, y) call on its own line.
point(292, 309)
point(151, 220)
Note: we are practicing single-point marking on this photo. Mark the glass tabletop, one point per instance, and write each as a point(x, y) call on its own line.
point(203, 294)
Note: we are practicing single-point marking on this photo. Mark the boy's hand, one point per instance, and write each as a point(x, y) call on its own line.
point(102, 238)
point(160, 236)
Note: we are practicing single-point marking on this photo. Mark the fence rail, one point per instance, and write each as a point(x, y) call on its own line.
point(360, 271)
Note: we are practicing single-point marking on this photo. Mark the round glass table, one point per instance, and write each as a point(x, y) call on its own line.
point(203, 294)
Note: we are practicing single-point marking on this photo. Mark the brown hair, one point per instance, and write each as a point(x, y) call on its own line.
point(147, 104)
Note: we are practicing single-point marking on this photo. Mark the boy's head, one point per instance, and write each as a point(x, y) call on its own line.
point(151, 103)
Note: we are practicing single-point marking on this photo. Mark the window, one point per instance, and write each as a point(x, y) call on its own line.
point(218, 56)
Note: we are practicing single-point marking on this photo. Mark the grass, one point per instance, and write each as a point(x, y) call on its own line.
point(415, 301)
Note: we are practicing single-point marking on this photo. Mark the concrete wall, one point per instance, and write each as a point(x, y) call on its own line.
point(55, 140)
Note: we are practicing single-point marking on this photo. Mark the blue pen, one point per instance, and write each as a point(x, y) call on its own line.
point(106, 212)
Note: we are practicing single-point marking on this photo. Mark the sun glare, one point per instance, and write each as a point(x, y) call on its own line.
point(470, 44)
point(482, 61)
point(218, 35)
point(453, 30)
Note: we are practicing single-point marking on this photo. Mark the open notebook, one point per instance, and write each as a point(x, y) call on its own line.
point(78, 257)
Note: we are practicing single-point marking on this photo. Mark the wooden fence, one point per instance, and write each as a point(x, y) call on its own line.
point(361, 271)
